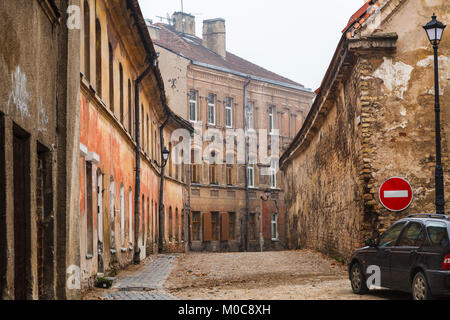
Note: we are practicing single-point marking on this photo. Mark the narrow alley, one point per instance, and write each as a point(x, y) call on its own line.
point(285, 275)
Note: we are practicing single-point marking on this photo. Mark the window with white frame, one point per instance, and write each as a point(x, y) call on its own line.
point(274, 226)
point(271, 119)
point(273, 174)
point(193, 106)
point(251, 176)
point(229, 113)
point(122, 215)
point(212, 109)
point(250, 114)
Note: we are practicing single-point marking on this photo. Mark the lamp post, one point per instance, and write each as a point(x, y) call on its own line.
point(434, 30)
point(164, 157)
point(261, 238)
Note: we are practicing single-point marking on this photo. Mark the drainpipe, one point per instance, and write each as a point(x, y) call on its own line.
point(161, 188)
point(137, 189)
point(247, 204)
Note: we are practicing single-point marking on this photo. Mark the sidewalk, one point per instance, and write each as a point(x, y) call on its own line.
point(145, 284)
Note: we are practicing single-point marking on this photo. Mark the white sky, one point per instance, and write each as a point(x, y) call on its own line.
point(294, 38)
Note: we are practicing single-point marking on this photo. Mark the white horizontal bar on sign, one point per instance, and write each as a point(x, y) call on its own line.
point(396, 194)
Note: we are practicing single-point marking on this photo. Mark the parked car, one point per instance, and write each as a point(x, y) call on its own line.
point(413, 255)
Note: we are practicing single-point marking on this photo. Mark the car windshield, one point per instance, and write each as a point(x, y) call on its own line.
point(437, 231)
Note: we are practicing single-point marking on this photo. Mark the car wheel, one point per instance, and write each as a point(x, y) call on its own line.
point(358, 280)
point(420, 288)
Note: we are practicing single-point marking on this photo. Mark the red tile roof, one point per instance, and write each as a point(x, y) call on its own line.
point(191, 47)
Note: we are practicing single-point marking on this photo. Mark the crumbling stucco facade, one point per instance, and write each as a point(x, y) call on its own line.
point(38, 143)
point(373, 119)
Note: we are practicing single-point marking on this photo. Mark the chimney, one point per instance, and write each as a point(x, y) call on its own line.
point(214, 36)
point(152, 29)
point(184, 23)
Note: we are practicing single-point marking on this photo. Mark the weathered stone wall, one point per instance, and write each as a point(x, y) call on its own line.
point(323, 192)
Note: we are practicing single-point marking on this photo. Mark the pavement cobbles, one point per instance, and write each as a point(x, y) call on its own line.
point(146, 283)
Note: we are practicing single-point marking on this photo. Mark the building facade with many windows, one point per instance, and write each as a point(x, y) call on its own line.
point(206, 86)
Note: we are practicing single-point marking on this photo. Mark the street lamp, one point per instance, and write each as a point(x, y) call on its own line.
point(434, 30)
point(164, 157)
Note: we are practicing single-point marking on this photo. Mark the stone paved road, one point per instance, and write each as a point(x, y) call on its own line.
point(145, 284)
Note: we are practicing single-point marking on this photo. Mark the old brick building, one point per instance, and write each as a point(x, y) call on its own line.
point(373, 119)
point(115, 125)
point(38, 143)
point(206, 85)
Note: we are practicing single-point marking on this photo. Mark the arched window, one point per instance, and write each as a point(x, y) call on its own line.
point(122, 215)
point(112, 214)
point(177, 226)
point(87, 46)
point(98, 57)
point(130, 216)
point(111, 78)
point(130, 113)
point(170, 224)
point(121, 93)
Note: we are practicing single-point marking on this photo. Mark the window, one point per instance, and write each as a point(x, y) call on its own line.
point(130, 112)
point(213, 174)
point(148, 135)
point(251, 120)
point(193, 106)
point(170, 224)
point(232, 225)
point(87, 46)
point(195, 226)
point(437, 232)
point(98, 57)
point(121, 93)
point(251, 176)
point(195, 169)
point(271, 119)
point(229, 171)
point(112, 214)
point(176, 225)
point(229, 112)
point(252, 227)
point(122, 215)
point(214, 226)
point(111, 78)
point(274, 227)
point(130, 216)
point(389, 238)
point(89, 209)
point(410, 236)
point(273, 174)
point(211, 109)
point(141, 221)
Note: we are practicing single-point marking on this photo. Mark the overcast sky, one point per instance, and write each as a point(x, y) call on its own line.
point(294, 38)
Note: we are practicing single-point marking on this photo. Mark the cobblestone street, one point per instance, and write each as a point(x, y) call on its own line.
point(286, 275)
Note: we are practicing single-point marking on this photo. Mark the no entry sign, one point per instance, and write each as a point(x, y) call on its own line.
point(396, 194)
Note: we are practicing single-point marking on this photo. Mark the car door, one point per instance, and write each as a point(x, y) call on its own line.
point(381, 255)
point(405, 253)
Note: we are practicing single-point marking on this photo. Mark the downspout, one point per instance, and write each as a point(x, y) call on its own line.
point(188, 208)
point(247, 199)
point(137, 189)
point(161, 188)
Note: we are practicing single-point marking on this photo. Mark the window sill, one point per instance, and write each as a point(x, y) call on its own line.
point(113, 251)
point(89, 256)
point(124, 249)
point(276, 240)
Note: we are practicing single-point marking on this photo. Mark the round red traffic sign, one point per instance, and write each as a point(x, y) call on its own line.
point(396, 194)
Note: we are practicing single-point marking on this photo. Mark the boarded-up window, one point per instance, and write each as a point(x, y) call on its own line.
point(22, 214)
point(252, 227)
point(224, 227)
point(207, 227)
point(229, 172)
point(214, 226)
point(231, 226)
point(196, 226)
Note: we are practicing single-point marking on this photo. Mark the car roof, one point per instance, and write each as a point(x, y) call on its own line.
point(424, 217)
